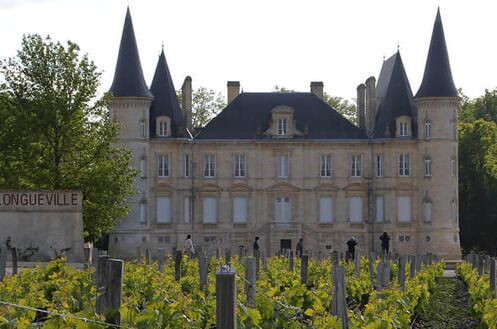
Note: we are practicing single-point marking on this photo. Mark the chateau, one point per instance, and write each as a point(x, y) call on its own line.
point(283, 166)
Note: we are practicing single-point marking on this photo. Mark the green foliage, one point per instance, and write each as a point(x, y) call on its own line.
point(481, 300)
point(57, 135)
point(206, 104)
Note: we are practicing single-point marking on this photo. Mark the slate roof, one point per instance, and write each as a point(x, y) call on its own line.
point(165, 101)
point(249, 114)
point(394, 97)
point(437, 79)
point(128, 77)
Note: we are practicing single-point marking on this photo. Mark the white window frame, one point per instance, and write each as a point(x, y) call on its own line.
point(209, 203)
point(404, 215)
point(282, 126)
point(283, 209)
point(163, 165)
point(209, 165)
point(326, 209)
point(427, 129)
point(356, 165)
point(143, 167)
point(142, 128)
point(427, 210)
point(163, 210)
point(163, 128)
point(403, 129)
point(186, 165)
point(404, 165)
point(283, 165)
point(239, 165)
point(356, 213)
point(427, 166)
point(325, 165)
point(379, 165)
point(240, 210)
point(143, 211)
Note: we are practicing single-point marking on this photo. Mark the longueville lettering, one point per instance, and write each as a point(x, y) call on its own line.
point(39, 199)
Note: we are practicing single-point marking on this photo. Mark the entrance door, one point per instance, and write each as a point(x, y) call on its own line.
point(285, 244)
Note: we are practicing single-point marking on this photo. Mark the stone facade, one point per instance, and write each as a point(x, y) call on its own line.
point(246, 192)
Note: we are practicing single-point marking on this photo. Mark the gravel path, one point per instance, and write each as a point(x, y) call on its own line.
point(449, 308)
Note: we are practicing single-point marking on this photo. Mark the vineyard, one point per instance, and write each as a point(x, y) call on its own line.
point(154, 299)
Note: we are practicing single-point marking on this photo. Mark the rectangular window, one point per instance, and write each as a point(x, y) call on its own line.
point(404, 164)
point(163, 210)
point(403, 131)
point(428, 129)
point(325, 166)
point(326, 209)
point(454, 166)
point(163, 165)
point(283, 210)
point(239, 164)
point(404, 208)
point(380, 209)
point(162, 128)
point(143, 167)
point(427, 208)
point(427, 166)
point(355, 209)
point(282, 165)
point(239, 210)
point(142, 129)
point(186, 165)
point(210, 211)
point(355, 168)
point(282, 127)
point(379, 165)
point(209, 165)
point(186, 210)
point(143, 212)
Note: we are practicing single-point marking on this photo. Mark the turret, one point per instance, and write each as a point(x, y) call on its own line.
point(437, 103)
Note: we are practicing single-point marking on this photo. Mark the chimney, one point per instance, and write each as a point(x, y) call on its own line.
point(370, 104)
point(317, 88)
point(233, 90)
point(186, 102)
point(361, 105)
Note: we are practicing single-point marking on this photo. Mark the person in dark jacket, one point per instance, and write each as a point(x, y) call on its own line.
point(299, 250)
point(351, 247)
point(385, 243)
point(255, 246)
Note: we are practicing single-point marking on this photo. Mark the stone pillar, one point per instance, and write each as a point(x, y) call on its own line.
point(186, 102)
point(317, 88)
point(233, 90)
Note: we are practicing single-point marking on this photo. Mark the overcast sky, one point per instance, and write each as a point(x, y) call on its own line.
point(263, 43)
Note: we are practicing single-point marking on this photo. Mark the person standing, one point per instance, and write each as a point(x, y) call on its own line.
point(255, 246)
point(351, 244)
point(385, 243)
point(299, 250)
point(188, 248)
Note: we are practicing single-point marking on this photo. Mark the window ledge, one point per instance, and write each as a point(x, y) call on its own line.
point(164, 225)
point(404, 224)
point(239, 225)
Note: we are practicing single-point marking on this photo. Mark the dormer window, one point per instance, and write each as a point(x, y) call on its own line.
point(163, 126)
point(403, 123)
point(282, 126)
point(403, 130)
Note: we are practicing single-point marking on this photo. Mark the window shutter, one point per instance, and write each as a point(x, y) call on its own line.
point(380, 208)
point(163, 210)
point(240, 210)
point(325, 210)
point(355, 209)
point(210, 211)
point(427, 207)
point(404, 209)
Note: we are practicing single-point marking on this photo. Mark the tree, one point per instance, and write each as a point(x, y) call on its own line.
point(59, 135)
point(206, 104)
point(347, 109)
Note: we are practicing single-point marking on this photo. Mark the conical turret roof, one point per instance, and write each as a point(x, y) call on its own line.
point(437, 79)
point(128, 77)
point(165, 100)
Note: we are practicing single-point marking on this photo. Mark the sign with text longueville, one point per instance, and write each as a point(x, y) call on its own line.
point(40, 201)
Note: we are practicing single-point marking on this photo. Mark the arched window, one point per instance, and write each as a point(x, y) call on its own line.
point(427, 129)
point(427, 166)
point(427, 209)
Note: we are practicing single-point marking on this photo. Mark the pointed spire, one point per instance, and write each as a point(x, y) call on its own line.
point(437, 79)
point(128, 77)
point(165, 100)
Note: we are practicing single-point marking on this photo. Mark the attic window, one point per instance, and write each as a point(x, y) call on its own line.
point(403, 129)
point(282, 126)
point(163, 126)
point(402, 123)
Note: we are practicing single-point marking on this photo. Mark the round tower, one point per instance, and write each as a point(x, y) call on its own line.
point(437, 104)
